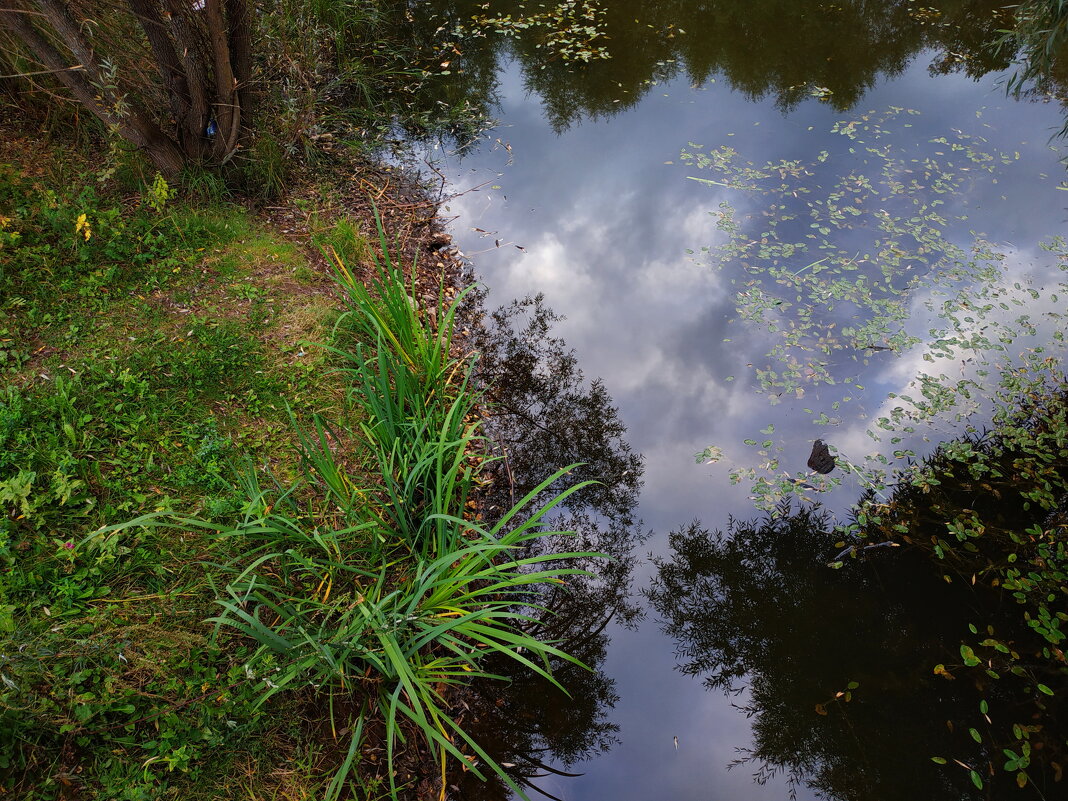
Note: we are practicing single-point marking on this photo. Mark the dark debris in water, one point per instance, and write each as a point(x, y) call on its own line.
point(820, 459)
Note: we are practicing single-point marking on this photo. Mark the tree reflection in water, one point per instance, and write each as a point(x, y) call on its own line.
point(857, 678)
point(544, 416)
point(529, 724)
point(785, 51)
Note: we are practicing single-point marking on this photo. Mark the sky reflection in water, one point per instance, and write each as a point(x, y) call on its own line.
point(605, 223)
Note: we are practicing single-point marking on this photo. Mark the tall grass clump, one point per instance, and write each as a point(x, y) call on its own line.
point(382, 590)
point(419, 342)
point(418, 398)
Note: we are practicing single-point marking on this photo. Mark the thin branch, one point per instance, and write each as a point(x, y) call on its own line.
point(39, 72)
point(133, 124)
point(48, 56)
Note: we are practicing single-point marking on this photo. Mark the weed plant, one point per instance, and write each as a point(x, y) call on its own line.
point(392, 591)
point(418, 399)
point(67, 254)
point(331, 606)
point(101, 644)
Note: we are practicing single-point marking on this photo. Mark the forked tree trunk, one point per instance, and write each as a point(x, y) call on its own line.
point(200, 55)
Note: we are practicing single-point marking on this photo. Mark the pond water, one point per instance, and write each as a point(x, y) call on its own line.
point(581, 193)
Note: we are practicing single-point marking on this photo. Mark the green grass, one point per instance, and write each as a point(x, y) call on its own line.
point(417, 398)
point(133, 373)
point(344, 239)
point(221, 546)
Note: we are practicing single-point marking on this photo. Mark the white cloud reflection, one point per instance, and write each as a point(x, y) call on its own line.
point(606, 226)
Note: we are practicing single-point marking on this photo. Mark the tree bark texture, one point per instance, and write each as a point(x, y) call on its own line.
point(177, 94)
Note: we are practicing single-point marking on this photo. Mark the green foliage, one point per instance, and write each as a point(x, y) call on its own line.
point(159, 194)
point(1040, 32)
point(368, 583)
point(417, 398)
point(263, 169)
point(98, 644)
point(80, 243)
point(393, 590)
point(125, 684)
point(114, 406)
point(350, 621)
point(572, 31)
point(132, 664)
point(345, 240)
point(202, 186)
point(990, 512)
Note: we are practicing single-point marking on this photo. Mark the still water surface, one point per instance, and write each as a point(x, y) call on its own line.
point(583, 174)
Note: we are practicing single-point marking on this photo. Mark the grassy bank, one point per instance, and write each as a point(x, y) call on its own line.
point(234, 563)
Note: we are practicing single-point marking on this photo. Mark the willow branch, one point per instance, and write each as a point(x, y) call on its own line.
point(71, 76)
point(38, 72)
point(59, 17)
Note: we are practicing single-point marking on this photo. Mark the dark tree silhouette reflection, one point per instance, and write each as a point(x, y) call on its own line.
point(531, 724)
point(786, 51)
point(755, 608)
point(544, 415)
point(945, 647)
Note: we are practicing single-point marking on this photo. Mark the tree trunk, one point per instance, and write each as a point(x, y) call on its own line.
point(165, 157)
point(240, 41)
point(193, 136)
point(132, 123)
point(227, 106)
point(168, 64)
point(201, 53)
